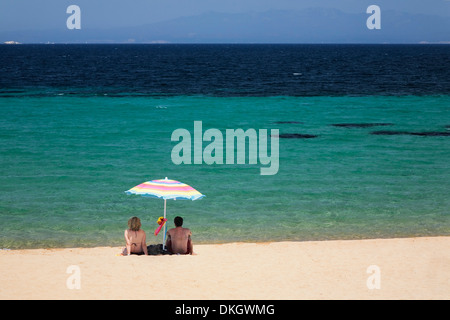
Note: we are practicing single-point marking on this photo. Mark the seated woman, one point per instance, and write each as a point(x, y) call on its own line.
point(135, 238)
point(179, 239)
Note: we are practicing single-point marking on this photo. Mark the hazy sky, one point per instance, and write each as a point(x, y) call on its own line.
point(49, 14)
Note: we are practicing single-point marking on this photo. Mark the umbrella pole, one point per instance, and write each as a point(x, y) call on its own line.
point(165, 226)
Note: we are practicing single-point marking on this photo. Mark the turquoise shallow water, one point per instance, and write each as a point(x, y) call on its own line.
point(66, 161)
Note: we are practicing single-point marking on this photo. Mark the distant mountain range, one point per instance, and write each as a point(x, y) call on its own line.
point(314, 25)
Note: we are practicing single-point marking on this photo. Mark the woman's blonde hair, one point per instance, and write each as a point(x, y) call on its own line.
point(134, 224)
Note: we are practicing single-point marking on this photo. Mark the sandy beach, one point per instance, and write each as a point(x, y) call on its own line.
point(408, 268)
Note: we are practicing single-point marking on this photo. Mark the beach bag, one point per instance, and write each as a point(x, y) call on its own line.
point(156, 249)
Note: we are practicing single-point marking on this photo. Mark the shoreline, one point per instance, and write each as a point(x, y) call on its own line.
point(408, 268)
point(251, 241)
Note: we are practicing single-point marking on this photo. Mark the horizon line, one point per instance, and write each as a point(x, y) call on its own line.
point(14, 43)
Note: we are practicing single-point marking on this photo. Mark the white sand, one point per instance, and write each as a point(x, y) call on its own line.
point(410, 268)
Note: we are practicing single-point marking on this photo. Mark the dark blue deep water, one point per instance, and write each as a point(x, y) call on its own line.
point(229, 70)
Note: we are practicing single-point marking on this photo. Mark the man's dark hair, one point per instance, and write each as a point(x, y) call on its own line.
point(178, 221)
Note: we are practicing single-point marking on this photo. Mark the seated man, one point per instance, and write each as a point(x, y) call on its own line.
point(179, 238)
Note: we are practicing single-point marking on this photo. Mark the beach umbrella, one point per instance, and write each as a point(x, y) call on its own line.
point(166, 189)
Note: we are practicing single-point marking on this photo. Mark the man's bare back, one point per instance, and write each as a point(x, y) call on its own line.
point(179, 239)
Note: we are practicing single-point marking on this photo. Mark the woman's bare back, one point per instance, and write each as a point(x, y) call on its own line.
point(135, 240)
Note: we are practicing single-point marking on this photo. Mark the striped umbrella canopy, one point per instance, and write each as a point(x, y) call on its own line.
point(166, 189)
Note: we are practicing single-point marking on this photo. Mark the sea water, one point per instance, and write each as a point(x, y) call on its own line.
point(80, 125)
